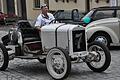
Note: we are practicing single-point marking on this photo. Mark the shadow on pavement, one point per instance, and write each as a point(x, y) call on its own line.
point(114, 48)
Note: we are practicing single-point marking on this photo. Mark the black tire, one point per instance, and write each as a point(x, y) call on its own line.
point(6, 39)
point(4, 55)
point(107, 56)
point(58, 72)
point(104, 35)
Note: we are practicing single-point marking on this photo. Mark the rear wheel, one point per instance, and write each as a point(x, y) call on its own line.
point(102, 57)
point(4, 58)
point(58, 63)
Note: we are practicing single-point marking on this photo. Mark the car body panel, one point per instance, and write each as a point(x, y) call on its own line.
point(108, 25)
point(54, 35)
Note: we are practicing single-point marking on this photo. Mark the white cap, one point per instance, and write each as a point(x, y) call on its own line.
point(43, 5)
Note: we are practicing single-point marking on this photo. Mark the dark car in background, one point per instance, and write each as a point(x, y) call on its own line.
point(69, 16)
point(2, 17)
point(7, 18)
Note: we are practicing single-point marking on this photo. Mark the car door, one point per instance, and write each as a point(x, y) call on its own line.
point(118, 15)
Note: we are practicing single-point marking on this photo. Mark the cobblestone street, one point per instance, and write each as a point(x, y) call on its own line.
point(20, 69)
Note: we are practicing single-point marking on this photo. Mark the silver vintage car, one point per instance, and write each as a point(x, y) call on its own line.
point(105, 30)
point(60, 45)
point(104, 25)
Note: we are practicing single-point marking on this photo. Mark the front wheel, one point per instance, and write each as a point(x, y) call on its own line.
point(4, 58)
point(58, 63)
point(102, 37)
point(102, 57)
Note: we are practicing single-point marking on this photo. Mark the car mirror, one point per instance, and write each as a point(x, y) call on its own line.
point(86, 20)
point(75, 15)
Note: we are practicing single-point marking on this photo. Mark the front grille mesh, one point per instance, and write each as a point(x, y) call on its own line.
point(79, 42)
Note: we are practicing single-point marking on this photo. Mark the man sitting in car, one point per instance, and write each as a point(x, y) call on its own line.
point(44, 18)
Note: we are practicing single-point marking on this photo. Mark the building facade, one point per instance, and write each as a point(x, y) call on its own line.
point(17, 7)
point(30, 9)
point(0, 6)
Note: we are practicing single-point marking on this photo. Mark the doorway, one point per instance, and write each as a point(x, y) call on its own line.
point(10, 7)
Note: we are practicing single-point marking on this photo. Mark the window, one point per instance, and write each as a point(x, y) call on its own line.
point(72, 0)
point(97, 1)
point(36, 3)
point(118, 13)
point(103, 14)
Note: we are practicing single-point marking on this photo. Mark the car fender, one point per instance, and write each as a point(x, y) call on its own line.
point(2, 34)
point(91, 30)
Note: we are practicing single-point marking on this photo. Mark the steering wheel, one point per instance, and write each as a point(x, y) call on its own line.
point(54, 21)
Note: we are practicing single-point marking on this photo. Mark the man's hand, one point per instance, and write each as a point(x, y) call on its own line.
point(38, 28)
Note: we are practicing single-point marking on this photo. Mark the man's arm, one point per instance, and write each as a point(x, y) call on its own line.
point(38, 23)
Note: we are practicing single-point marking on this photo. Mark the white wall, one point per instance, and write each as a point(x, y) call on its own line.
point(32, 13)
point(3, 6)
point(93, 4)
point(118, 2)
point(53, 5)
point(0, 5)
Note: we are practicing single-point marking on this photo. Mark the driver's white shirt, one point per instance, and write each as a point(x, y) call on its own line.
point(41, 20)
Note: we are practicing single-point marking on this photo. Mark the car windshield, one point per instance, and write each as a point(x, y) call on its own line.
point(63, 15)
point(89, 14)
point(67, 15)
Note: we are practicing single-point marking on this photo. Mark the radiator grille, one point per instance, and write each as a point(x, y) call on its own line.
point(79, 42)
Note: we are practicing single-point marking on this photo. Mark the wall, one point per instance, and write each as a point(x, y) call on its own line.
point(93, 4)
point(53, 5)
point(118, 2)
point(3, 6)
point(0, 5)
point(31, 12)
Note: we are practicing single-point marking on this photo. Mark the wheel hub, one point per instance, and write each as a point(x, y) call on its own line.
point(97, 57)
point(58, 63)
point(94, 56)
point(101, 39)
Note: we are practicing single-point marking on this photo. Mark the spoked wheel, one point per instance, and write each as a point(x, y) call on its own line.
point(4, 59)
point(58, 63)
point(101, 55)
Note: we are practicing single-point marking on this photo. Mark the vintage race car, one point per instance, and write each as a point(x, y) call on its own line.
point(59, 45)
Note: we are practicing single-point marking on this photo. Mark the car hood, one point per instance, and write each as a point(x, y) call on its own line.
point(103, 21)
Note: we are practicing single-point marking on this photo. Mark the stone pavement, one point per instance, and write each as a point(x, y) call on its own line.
point(20, 69)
